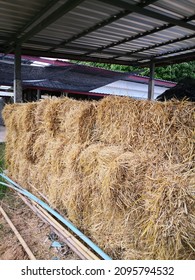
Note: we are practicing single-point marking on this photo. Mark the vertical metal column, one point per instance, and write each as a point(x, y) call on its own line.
point(17, 75)
point(151, 81)
point(38, 94)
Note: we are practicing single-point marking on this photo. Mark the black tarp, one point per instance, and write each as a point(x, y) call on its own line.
point(185, 89)
point(72, 77)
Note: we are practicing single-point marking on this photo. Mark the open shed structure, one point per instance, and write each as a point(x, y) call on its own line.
point(130, 32)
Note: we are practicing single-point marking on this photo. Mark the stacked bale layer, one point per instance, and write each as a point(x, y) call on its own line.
point(121, 169)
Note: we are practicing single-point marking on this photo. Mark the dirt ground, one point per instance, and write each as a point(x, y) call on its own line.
point(38, 235)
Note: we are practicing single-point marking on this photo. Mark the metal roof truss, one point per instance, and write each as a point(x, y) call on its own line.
point(130, 32)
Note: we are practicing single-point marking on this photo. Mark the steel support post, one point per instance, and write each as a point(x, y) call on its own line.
point(17, 76)
point(151, 81)
point(38, 94)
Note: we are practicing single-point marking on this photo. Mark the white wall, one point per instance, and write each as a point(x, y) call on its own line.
point(128, 88)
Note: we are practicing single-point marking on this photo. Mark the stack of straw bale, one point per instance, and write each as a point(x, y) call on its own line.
point(121, 169)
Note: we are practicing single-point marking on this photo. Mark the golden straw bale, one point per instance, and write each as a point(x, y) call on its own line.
point(88, 160)
point(55, 111)
point(130, 123)
point(79, 123)
point(13, 166)
point(121, 169)
point(57, 175)
point(44, 163)
point(78, 202)
point(11, 143)
point(39, 114)
point(13, 151)
point(172, 129)
point(117, 121)
point(36, 179)
point(154, 126)
point(64, 167)
point(26, 117)
point(109, 183)
point(168, 224)
point(11, 114)
point(134, 254)
point(70, 119)
point(38, 147)
point(182, 130)
point(110, 231)
point(24, 169)
point(19, 117)
point(85, 185)
point(68, 160)
point(117, 175)
point(27, 141)
point(59, 156)
point(122, 183)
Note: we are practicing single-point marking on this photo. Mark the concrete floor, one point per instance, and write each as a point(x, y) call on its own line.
point(2, 133)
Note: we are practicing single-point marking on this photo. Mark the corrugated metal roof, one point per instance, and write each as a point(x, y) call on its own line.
point(116, 31)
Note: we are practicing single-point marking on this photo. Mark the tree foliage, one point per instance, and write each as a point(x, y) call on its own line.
point(174, 72)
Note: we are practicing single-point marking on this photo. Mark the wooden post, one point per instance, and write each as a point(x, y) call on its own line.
point(151, 81)
point(17, 75)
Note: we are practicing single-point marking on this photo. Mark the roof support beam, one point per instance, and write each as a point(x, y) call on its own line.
point(171, 52)
point(187, 37)
point(76, 57)
point(91, 29)
point(83, 49)
point(174, 59)
point(102, 24)
point(62, 10)
point(129, 39)
point(33, 21)
point(17, 75)
point(3, 38)
point(149, 13)
point(139, 35)
point(175, 51)
point(190, 56)
point(171, 60)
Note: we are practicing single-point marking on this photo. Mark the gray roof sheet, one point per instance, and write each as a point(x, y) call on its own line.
point(117, 31)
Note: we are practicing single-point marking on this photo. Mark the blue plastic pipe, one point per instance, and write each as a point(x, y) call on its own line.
point(56, 214)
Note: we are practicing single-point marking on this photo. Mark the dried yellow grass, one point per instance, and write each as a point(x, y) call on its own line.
point(169, 211)
point(11, 115)
point(154, 126)
point(69, 119)
point(121, 169)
